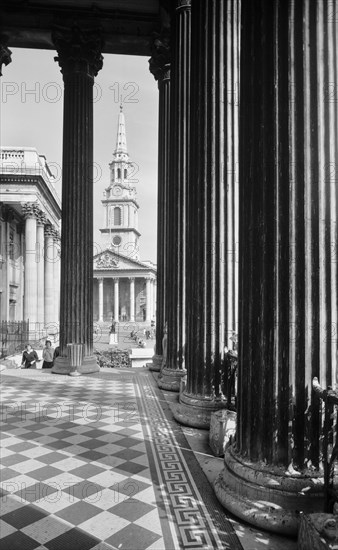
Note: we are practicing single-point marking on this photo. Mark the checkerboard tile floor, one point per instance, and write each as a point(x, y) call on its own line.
point(93, 463)
point(74, 468)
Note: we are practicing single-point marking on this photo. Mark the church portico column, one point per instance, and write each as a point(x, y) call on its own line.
point(209, 212)
point(80, 59)
point(173, 367)
point(30, 214)
point(159, 66)
point(100, 279)
point(287, 271)
point(116, 298)
point(132, 298)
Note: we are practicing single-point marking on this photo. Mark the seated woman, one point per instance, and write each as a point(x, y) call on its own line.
point(48, 355)
point(29, 357)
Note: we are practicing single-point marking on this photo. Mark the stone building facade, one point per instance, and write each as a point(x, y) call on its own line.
point(30, 240)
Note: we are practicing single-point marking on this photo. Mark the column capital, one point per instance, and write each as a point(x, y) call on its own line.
point(131, 279)
point(30, 210)
point(56, 234)
point(183, 4)
point(49, 230)
point(41, 218)
point(79, 49)
point(159, 63)
point(100, 279)
point(5, 55)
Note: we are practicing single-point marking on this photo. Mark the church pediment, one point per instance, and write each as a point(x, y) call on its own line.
point(110, 260)
point(106, 260)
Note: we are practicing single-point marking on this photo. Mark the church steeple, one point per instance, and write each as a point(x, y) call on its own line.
point(121, 140)
point(120, 202)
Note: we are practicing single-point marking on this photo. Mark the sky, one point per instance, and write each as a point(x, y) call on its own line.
point(31, 116)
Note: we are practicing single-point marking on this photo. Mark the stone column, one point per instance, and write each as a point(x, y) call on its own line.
point(100, 279)
point(210, 212)
point(151, 304)
point(8, 216)
point(50, 321)
point(154, 297)
point(148, 299)
point(80, 59)
point(159, 66)
point(30, 213)
point(116, 299)
point(132, 298)
point(40, 245)
point(173, 370)
point(288, 264)
point(56, 276)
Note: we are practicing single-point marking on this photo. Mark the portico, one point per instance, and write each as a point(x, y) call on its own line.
point(123, 291)
point(247, 162)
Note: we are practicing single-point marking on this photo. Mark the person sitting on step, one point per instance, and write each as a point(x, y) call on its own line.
point(29, 357)
point(48, 355)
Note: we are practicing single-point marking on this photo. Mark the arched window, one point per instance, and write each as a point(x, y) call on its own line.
point(125, 173)
point(117, 215)
point(119, 173)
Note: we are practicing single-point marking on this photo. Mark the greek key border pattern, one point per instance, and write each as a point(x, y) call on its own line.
point(194, 527)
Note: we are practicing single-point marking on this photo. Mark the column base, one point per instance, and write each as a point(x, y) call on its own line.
point(156, 364)
point(266, 497)
point(196, 411)
point(62, 366)
point(170, 379)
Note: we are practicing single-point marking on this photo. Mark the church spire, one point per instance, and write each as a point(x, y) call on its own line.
point(121, 140)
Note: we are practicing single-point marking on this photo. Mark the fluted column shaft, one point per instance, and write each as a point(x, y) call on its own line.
point(31, 270)
point(49, 278)
point(211, 210)
point(289, 217)
point(178, 177)
point(154, 298)
point(100, 279)
point(287, 272)
point(132, 298)
point(160, 68)
point(56, 276)
point(40, 240)
point(80, 59)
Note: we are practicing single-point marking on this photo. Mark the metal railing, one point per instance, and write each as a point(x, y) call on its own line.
point(330, 442)
point(14, 336)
